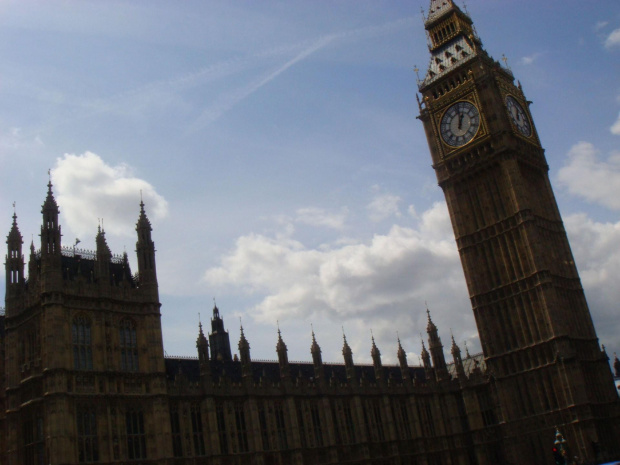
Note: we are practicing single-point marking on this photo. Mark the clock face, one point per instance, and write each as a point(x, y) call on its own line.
point(459, 124)
point(518, 116)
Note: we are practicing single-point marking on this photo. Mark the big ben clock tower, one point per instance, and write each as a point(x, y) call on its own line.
point(535, 327)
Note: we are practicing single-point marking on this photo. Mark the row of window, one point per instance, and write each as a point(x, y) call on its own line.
point(232, 428)
point(87, 441)
point(82, 344)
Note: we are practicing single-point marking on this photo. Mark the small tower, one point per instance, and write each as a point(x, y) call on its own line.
point(203, 352)
point(50, 241)
point(14, 265)
point(426, 361)
point(281, 349)
point(402, 360)
point(219, 339)
point(32, 265)
point(104, 255)
point(376, 361)
point(246, 361)
point(458, 361)
point(145, 249)
point(347, 353)
point(317, 360)
point(436, 349)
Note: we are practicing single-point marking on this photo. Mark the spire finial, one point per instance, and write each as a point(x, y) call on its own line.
point(505, 60)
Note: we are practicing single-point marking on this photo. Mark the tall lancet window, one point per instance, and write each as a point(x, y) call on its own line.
point(82, 343)
point(129, 346)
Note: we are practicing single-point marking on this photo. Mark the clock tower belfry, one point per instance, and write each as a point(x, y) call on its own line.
point(535, 327)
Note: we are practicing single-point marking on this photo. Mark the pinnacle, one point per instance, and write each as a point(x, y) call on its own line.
point(14, 234)
point(430, 328)
point(280, 346)
point(315, 346)
point(50, 202)
point(143, 220)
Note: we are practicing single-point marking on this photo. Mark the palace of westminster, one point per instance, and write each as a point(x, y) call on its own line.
point(84, 378)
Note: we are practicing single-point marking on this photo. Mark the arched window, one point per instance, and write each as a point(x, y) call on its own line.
point(82, 343)
point(129, 346)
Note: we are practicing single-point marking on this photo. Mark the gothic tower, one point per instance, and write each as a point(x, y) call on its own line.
point(534, 324)
point(85, 374)
point(218, 339)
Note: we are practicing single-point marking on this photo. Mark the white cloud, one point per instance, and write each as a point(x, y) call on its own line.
point(319, 217)
point(613, 39)
point(356, 284)
point(589, 177)
point(615, 128)
point(88, 189)
point(600, 25)
point(383, 206)
point(595, 246)
point(528, 60)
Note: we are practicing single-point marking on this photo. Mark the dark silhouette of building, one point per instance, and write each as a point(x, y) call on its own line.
point(85, 379)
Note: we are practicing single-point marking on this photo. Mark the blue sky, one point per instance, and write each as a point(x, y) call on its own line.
point(279, 156)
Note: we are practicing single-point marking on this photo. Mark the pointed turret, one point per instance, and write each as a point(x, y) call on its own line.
point(282, 350)
point(104, 255)
point(376, 361)
point(616, 366)
point(426, 361)
point(202, 346)
point(145, 250)
point(402, 360)
point(436, 349)
point(458, 361)
point(244, 354)
point(317, 359)
point(32, 265)
point(347, 353)
point(219, 338)
point(50, 230)
point(14, 259)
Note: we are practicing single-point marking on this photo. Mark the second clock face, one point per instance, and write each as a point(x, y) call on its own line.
point(518, 116)
point(459, 124)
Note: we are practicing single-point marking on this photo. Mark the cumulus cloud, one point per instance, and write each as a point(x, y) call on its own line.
point(595, 246)
point(587, 176)
point(383, 206)
point(613, 39)
point(89, 189)
point(355, 284)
